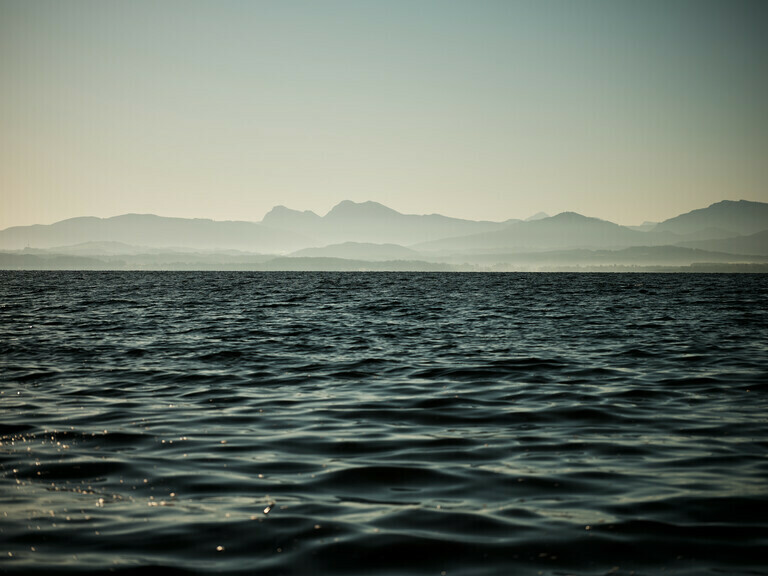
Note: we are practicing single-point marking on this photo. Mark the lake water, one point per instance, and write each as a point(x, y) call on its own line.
point(383, 423)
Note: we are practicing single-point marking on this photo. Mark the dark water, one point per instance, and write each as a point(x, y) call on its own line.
point(382, 423)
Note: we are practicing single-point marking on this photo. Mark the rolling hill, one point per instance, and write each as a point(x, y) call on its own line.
point(153, 232)
point(565, 230)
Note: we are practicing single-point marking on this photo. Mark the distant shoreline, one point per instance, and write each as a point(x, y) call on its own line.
point(388, 267)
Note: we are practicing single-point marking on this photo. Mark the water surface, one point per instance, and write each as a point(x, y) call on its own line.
point(383, 423)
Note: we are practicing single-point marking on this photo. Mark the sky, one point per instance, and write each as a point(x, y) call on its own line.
point(626, 111)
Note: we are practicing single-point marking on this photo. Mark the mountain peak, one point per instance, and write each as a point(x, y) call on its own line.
point(569, 217)
point(281, 214)
point(348, 208)
point(735, 216)
point(741, 202)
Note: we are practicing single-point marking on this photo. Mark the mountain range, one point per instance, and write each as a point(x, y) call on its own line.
point(369, 235)
point(371, 222)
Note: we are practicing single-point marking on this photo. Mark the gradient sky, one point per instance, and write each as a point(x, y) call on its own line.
point(627, 111)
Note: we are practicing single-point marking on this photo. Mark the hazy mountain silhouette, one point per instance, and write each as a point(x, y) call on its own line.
point(107, 248)
point(151, 259)
point(565, 230)
point(634, 258)
point(644, 227)
point(754, 244)
point(54, 262)
point(286, 219)
point(360, 251)
point(116, 249)
point(369, 235)
point(537, 216)
point(727, 218)
point(571, 230)
point(372, 222)
point(154, 231)
point(285, 263)
point(634, 255)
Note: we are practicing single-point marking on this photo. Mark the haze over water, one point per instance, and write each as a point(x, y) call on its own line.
point(390, 423)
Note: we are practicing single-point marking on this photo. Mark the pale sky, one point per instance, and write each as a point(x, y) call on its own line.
point(622, 110)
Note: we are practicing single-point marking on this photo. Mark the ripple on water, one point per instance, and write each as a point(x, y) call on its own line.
point(325, 423)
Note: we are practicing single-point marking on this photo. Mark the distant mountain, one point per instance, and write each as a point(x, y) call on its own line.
point(644, 227)
point(634, 255)
point(56, 262)
point(537, 216)
point(566, 230)
point(285, 263)
point(107, 248)
point(287, 219)
point(372, 222)
point(155, 231)
point(370, 234)
point(153, 259)
point(348, 210)
point(753, 244)
point(570, 230)
point(633, 258)
point(726, 218)
point(360, 251)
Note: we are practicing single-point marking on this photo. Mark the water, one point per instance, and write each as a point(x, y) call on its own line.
point(321, 423)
